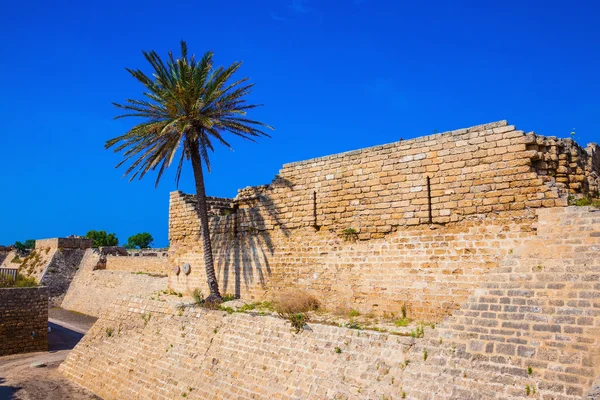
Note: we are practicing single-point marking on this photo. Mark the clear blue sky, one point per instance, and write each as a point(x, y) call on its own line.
point(332, 75)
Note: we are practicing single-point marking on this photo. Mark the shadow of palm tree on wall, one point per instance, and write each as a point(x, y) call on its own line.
point(242, 238)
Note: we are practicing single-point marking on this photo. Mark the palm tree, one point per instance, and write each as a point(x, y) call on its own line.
point(188, 105)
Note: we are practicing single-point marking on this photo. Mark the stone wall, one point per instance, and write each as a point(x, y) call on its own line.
point(531, 329)
point(23, 320)
point(148, 349)
point(429, 269)
point(64, 243)
point(53, 263)
point(157, 264)
point(7, 258)
point(92, 290)
point(4, 252)
point(354, 227)
point(540, 309)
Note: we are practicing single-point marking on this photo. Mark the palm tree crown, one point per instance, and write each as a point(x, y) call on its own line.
point(187, 105)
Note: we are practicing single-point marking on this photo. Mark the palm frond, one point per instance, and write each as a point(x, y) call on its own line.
point(185, 103)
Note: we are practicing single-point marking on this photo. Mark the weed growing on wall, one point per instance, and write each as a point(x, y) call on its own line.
point(353, 313)
point(418, 333)
point(198, 296)
point(350, 234)
point(293, 306)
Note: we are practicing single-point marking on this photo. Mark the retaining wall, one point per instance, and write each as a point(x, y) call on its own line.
point(23, 320)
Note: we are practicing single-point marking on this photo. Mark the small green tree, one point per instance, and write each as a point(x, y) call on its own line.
point(28, 244)
point(101, 238)
point(140, 241)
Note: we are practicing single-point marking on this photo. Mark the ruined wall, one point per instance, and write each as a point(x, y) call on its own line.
point(91, 290)
point(23, 320)
point(354, 227)
point(538, 308)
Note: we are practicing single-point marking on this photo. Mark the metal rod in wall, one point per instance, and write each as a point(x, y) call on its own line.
point(315, 209)
point(429, 199)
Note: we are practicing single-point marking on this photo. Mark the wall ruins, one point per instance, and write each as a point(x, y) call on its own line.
point(419, 222)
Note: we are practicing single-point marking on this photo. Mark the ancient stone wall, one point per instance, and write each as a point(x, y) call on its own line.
point(4, 252)
point(53, 263)
point(157, 264)
point(6, 261)
point(149, 349)
point(23, 320)
point(355, 227)
point(540, 309)
point(531, 329)
point(64, 243)
point(430, 270)
point(91, 290)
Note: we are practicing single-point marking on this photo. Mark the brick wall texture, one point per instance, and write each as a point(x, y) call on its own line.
point(354, 228)
point(23, 320)
point(157, 352)
point(538, 308)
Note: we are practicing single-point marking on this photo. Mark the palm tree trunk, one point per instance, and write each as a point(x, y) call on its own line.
point(209, 264)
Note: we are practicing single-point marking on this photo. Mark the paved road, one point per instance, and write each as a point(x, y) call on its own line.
point(20, 381)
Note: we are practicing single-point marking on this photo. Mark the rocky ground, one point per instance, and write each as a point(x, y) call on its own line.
point(35, 376)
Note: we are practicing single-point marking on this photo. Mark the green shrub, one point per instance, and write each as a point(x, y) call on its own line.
point(21, 281)
point(350, 234)
point(584, 201)
point(228, 297)
point(402, 322)
point(198, 296)
point(418, 333)
point(298, 320)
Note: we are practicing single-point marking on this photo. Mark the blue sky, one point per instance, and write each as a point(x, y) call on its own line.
point(332, 75)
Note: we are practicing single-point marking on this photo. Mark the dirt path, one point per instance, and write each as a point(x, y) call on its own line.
point(19, 380)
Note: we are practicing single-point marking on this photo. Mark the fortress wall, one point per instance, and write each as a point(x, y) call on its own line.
point(430, 270)
point(92, 291)
point(354, 227)
point(156, 351)
point(64, 243)
point(153, 265)
point(478, 170)
point(539, 308)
